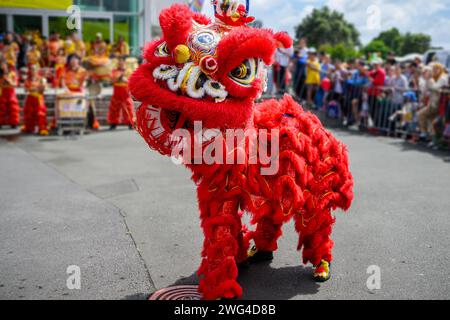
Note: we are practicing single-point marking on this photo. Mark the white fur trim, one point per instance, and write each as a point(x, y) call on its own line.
point(220, 93)
point(173, 84)
point(190, 86)
point(175, 78)
point(171, 72)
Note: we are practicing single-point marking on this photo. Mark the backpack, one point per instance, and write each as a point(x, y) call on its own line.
point(332, 110)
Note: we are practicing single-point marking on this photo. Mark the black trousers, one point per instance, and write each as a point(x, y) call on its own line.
point(281, 80)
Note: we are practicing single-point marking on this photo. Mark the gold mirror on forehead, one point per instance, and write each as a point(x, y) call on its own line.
point(203, 41)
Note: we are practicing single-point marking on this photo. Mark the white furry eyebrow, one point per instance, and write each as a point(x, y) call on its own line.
point(215, 93)
point(190, 86)
point(175, 77)
point(171, 72)
point(175, 85)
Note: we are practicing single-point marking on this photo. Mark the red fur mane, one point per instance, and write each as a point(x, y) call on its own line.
point(177, 88)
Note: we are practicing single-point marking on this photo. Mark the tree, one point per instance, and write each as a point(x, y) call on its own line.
point(401, 44)
point(392, 38)
point(376, 46)
point(324, 26)
point(340, 52)
point(415, 43)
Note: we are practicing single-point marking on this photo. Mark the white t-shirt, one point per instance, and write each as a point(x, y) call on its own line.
point(283, 56)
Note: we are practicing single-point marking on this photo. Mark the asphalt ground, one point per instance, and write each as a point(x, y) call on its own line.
point(128, 218)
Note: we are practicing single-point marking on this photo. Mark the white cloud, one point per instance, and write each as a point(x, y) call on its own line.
point(407, 16)
point(282, 15)
point(427, 16)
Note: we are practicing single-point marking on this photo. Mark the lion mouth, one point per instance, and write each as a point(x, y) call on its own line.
point(191, 81)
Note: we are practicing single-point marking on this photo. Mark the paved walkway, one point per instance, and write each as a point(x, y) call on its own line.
point(48, 223)
point(74, 192)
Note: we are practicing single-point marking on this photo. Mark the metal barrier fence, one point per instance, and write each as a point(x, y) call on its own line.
point(387, 110)
point(101, 103)
point(375, 106)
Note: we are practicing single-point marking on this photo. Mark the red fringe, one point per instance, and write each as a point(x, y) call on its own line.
point(313, 176)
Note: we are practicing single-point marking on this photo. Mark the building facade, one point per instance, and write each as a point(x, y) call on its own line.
point(135, 20)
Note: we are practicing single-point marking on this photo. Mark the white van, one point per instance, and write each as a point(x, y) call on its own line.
point(441, 56)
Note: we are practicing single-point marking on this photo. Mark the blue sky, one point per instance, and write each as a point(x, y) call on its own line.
point(369, 16)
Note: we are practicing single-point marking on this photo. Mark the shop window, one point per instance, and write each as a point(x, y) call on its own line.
point(2, 23)
point(128, 28)
point(130, 6)
point(92, 5)
point(92, 26)
point(59, 24)
point(121, 6)
point(24, 24)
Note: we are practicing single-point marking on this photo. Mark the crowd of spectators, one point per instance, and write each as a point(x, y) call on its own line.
point(381, 96)
point(372, 94)
point(52, 56)
point(33, 64)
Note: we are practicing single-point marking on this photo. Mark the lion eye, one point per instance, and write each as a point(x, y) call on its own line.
point(162, 50)
point(240, 72)
point(245, 73)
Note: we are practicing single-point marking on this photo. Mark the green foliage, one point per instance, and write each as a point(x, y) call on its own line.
point(92, 27)
point(324, 26)
point(376, 46)
point(340, 51)
point(392, 39)
point(329, 31)
point(415, 43)
point(401, 44)
point(59, 24)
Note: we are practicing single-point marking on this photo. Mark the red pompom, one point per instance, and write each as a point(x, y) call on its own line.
point(209, 65)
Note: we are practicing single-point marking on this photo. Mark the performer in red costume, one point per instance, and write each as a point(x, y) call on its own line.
point(9, 105)
point(74, 75)
point(213, 72)
point(121, 105)
point(60, 65)
point(35, 111)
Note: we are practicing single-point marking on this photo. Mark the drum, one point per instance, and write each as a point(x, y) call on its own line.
point(99, 66)
point(70, 106)
point(132, 64)
point(94, 89)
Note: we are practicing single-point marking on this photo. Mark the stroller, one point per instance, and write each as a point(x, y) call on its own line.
point(404, 121)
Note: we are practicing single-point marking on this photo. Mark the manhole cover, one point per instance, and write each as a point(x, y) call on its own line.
point(177, 293)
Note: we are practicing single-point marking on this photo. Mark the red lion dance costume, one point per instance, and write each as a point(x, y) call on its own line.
point(212, 72)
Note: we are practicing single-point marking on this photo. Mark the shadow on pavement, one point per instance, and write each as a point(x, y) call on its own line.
point(137, 296)
point(420, 147)
point(14, 135)
point(262, 282)
point(403, 145)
